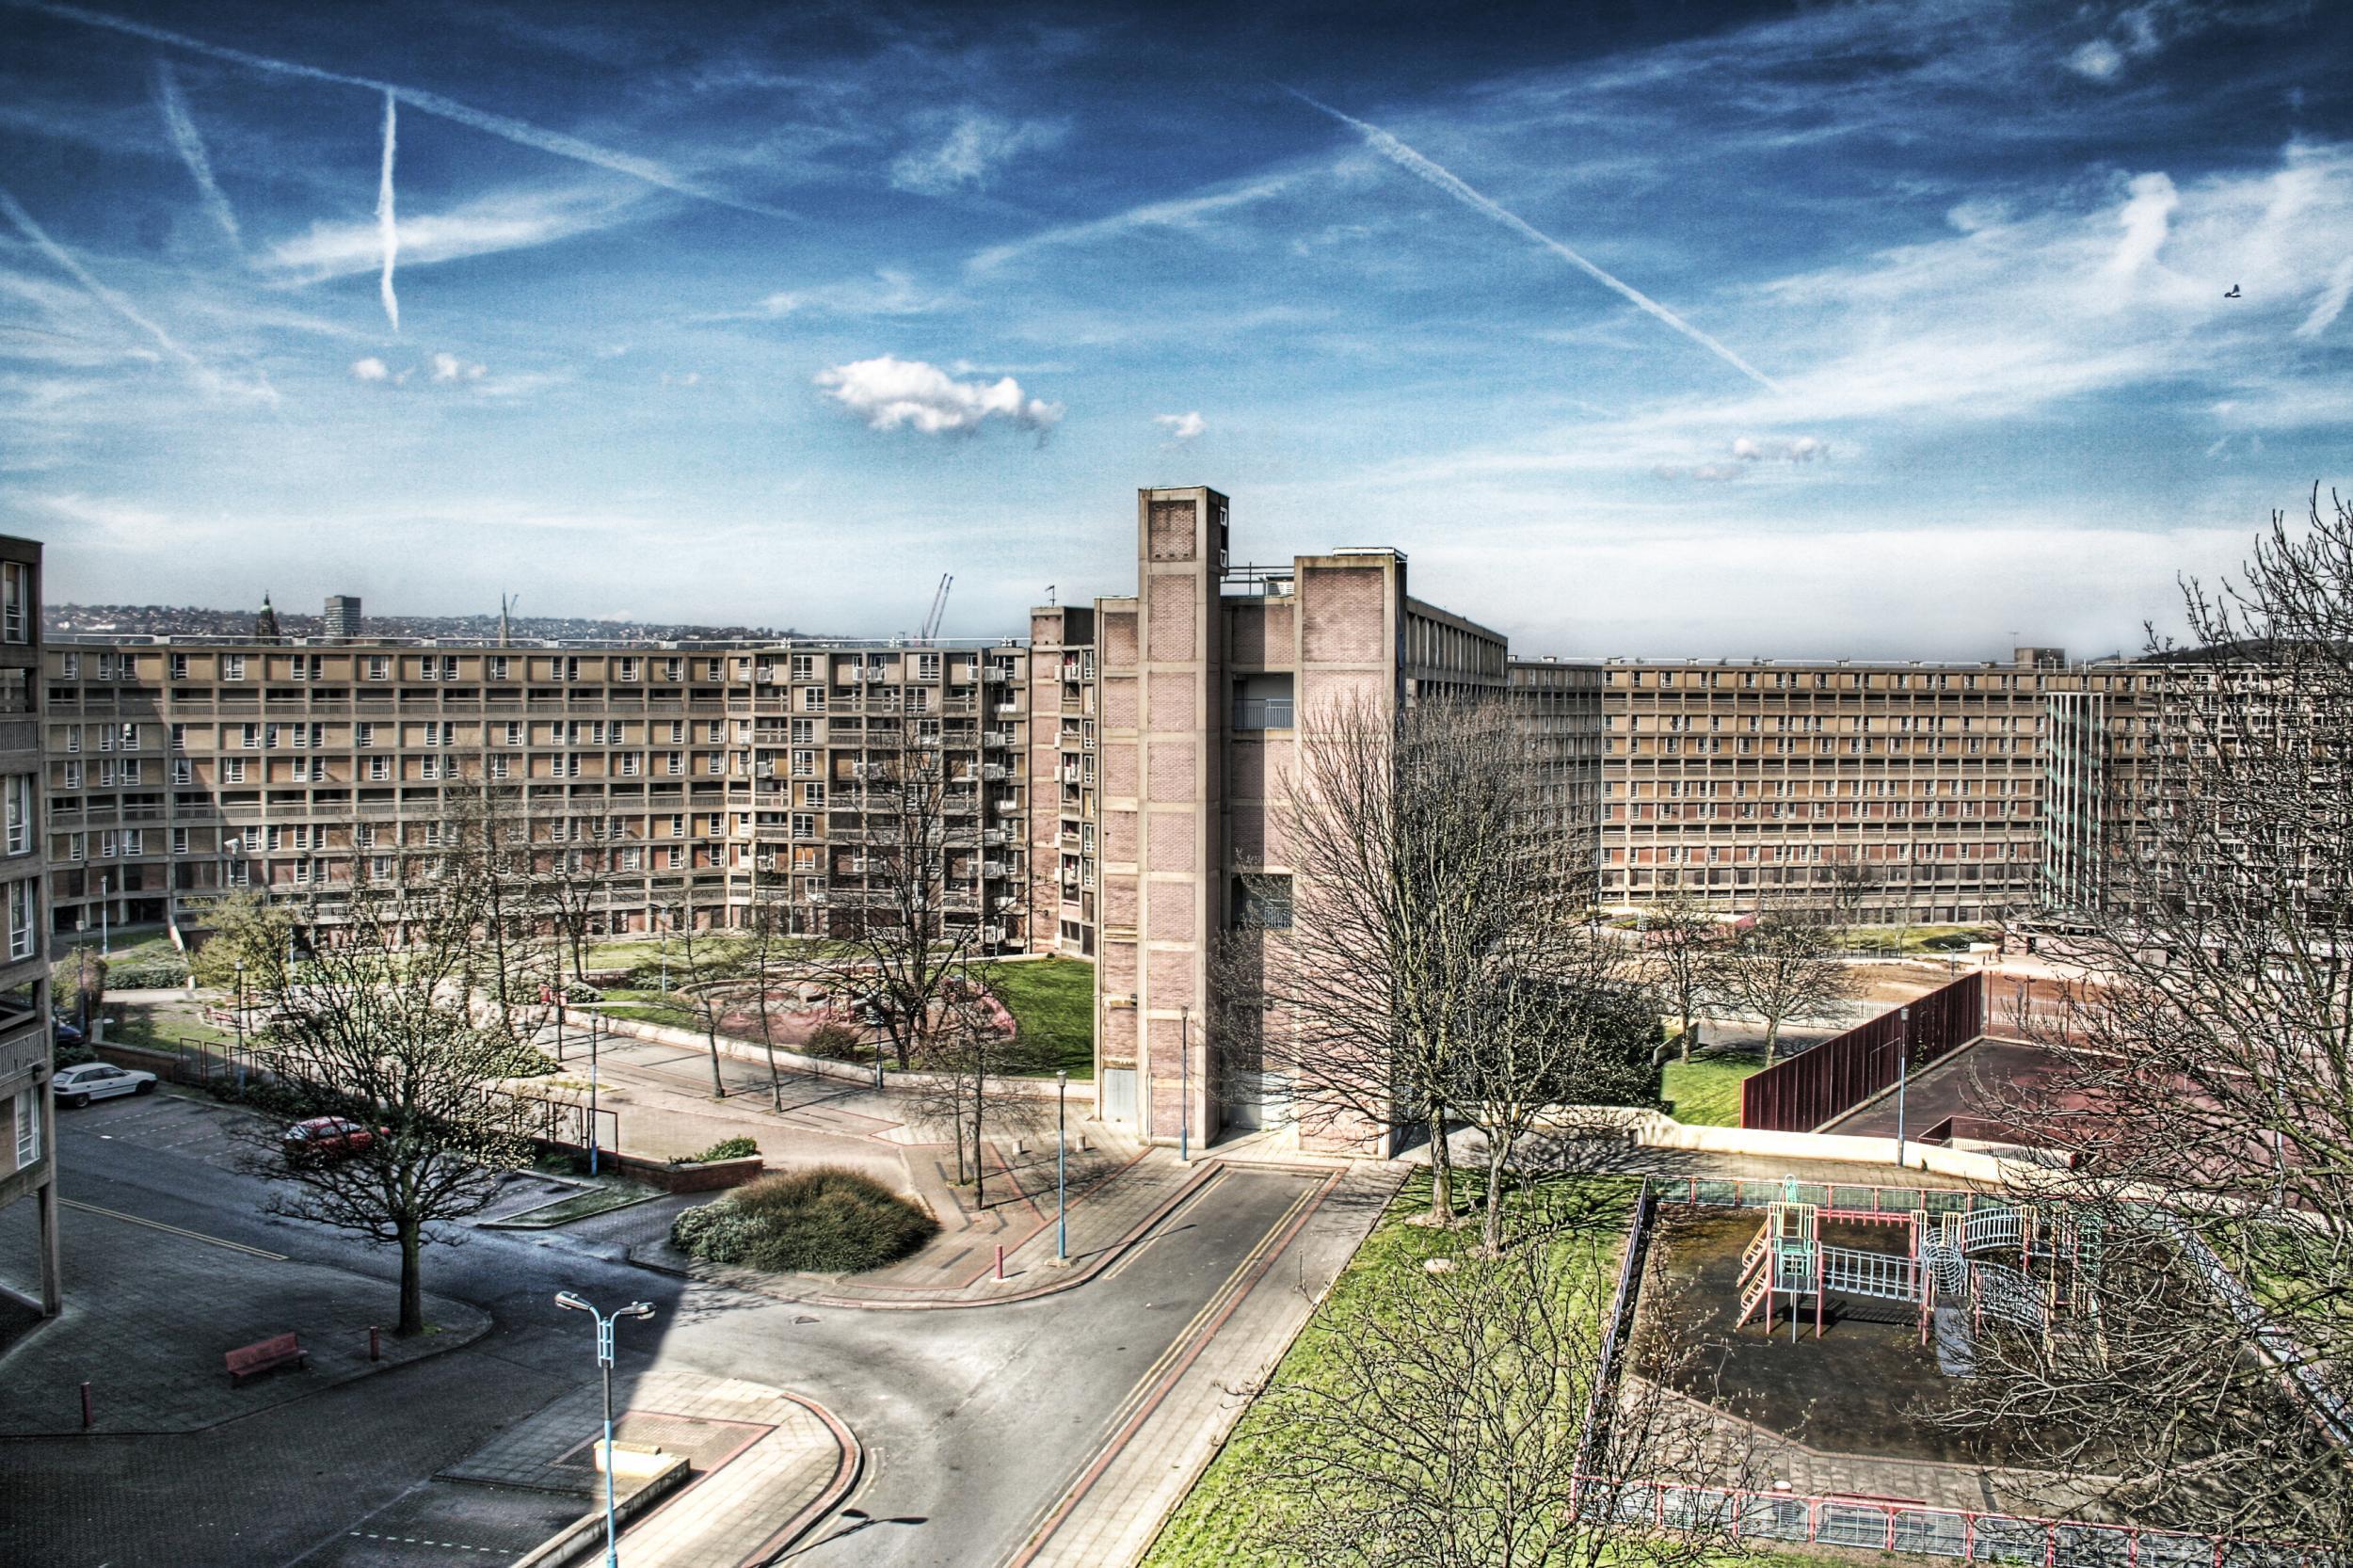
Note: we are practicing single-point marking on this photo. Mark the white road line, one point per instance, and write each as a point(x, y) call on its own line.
point(175, 1230)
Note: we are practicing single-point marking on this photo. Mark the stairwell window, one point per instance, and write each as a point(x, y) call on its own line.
point(1263, 902)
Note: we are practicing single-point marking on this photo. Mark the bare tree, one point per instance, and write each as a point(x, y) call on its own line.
point(904, 913)
point(1683, 945)
point(769, 959)
point(1556, 1038)
point(1415, 857)
point(2203, 1067)
point(967, 1055)
point(710, 957)
point(1448, 1427)
point(379, 1026)
point(574, 889)
point(1785, 968)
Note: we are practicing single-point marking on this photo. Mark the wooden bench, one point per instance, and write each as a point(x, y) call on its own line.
point(251, 1360)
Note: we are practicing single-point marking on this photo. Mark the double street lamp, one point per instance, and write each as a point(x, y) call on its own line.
point(571, 1302)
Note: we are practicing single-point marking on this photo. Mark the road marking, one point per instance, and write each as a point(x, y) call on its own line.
point(175, 1230)
point(1141, 1401)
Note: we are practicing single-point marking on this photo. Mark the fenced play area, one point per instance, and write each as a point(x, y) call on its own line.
point(1843, 1320)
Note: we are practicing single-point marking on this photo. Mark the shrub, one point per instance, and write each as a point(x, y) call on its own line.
point(725, 1148)
point(156, 973)
point(835, 1043)
point(829, 1219)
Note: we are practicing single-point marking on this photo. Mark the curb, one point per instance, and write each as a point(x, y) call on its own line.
point(1207, 1171)
point(849, 1469)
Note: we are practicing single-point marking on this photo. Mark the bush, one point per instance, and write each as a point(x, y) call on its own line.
point(157, 972)
point(835, 1043)
point(725, 1148)
point(831, 1219)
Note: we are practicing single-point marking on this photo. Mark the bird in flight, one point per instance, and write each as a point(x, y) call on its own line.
point(2234, 294)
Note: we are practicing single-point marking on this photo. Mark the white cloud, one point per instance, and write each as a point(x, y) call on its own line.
point(888, 293)
point(1803, 449)
point(2331, 301)
point(507, 221)
point(1181, 427)
point(2146, 219)
point(888, 392)
point(449, 367)
point(684, 378)
point(2099, 59)
point(974, 148)
point(370, 369)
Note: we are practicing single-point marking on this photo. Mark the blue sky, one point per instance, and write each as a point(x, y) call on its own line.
point(1883, 329)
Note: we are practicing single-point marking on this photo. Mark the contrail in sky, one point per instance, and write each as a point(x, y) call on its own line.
point(190, 145)
point(384, 220)
point(67, 263)
point(1414, 163)
point(519, 131)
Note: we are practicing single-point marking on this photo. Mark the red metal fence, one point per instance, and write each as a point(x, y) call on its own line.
point(1879, 1524)
point(1824, 1083)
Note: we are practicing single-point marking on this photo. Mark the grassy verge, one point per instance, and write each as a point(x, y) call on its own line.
point(1936, 939)
point(1705, 1091)
point(162, 1027)
point(1224, 1518)
point(1051, 999)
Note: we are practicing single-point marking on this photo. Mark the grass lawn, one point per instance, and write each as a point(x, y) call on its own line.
point(162, 1027)
point(1705, 1091)
point(1917, 938)
point(646, 1007)
point(1220, 1520)
point(1051, 999)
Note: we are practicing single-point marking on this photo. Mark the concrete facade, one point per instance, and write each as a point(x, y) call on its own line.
point(1208, 673)
point(28, 1170)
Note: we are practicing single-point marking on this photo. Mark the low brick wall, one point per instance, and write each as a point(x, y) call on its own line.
point(163, 1063)
point(709, 1177)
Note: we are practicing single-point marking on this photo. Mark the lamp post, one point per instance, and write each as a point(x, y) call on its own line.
point(1062, 1166)
point(570, 1302)
point(1903, 1073)
point(594, 1019)
point(874, 1021)
point(240, 1026)
point(1184, 1086)
point(105, 915)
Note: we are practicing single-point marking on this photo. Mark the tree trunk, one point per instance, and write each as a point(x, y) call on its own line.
point(979, 1155)
point(1499, 1155)
point(1772, 1036)
point(411, 1282)
point(1687, 1038)
point(1441, 1171)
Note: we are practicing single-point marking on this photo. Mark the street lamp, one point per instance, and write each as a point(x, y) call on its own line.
point(594, 1020)
point(874, 1021)
point(573, 1303)
point(1184, 1086)
point(106, 913)
point(1062, 1166)
point(1903, 1073)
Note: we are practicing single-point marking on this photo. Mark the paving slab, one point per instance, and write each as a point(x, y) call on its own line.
point(150, 1311)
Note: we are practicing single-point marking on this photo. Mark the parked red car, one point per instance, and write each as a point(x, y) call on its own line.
point(328, 1138)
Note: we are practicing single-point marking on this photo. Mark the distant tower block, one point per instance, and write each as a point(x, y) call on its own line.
point(343, 615)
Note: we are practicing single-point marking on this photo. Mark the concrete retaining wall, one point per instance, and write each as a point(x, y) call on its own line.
point(1658, 1131)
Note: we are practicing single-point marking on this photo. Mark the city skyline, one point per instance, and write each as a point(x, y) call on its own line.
point(1878, 330)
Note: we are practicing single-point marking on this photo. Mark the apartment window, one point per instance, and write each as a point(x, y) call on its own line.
point(498, 667)
point(239, 873)
point(566, 669)
point(627, 670)
point(437, 733)
point(498, 766)
point(232, 666)
point(513, 732)
point(363, 735)
point(379, 667)
point(250, 736)
point(233, 771)
point(109, 844)
point(363, 835)
point(73, 738)
point(629, 762)
point(107, 774)
point(429, 767)
point(673, 762)
point(449, 666)
point(379, 769)
point(306, 770)
point(183, 771)
point(814, 794)
point(105, 737)
point(177, 666)
point(28, 1111)
point(135, 841)
point(77, 846)
point(804, 666)
point(632, 859)
point(803, 827)
point(71, 668)
point(927, 666)
point(674, 858)
point(16, 602)
point(179, 841)
point(1262, 902)
point(673, 670)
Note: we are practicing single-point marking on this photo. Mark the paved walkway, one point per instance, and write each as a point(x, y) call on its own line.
point(1176, 1421)
point(764, 1465)
point(150, 1310)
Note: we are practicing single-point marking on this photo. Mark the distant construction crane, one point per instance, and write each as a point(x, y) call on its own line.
point(939, 606)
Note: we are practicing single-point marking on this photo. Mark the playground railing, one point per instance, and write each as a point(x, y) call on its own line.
point(1831, 1198)
point(1870, 1524)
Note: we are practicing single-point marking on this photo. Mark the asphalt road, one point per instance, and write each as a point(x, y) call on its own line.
point(974, 1420)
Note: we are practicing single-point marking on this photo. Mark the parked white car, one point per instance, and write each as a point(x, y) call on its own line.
point(95, 1081)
